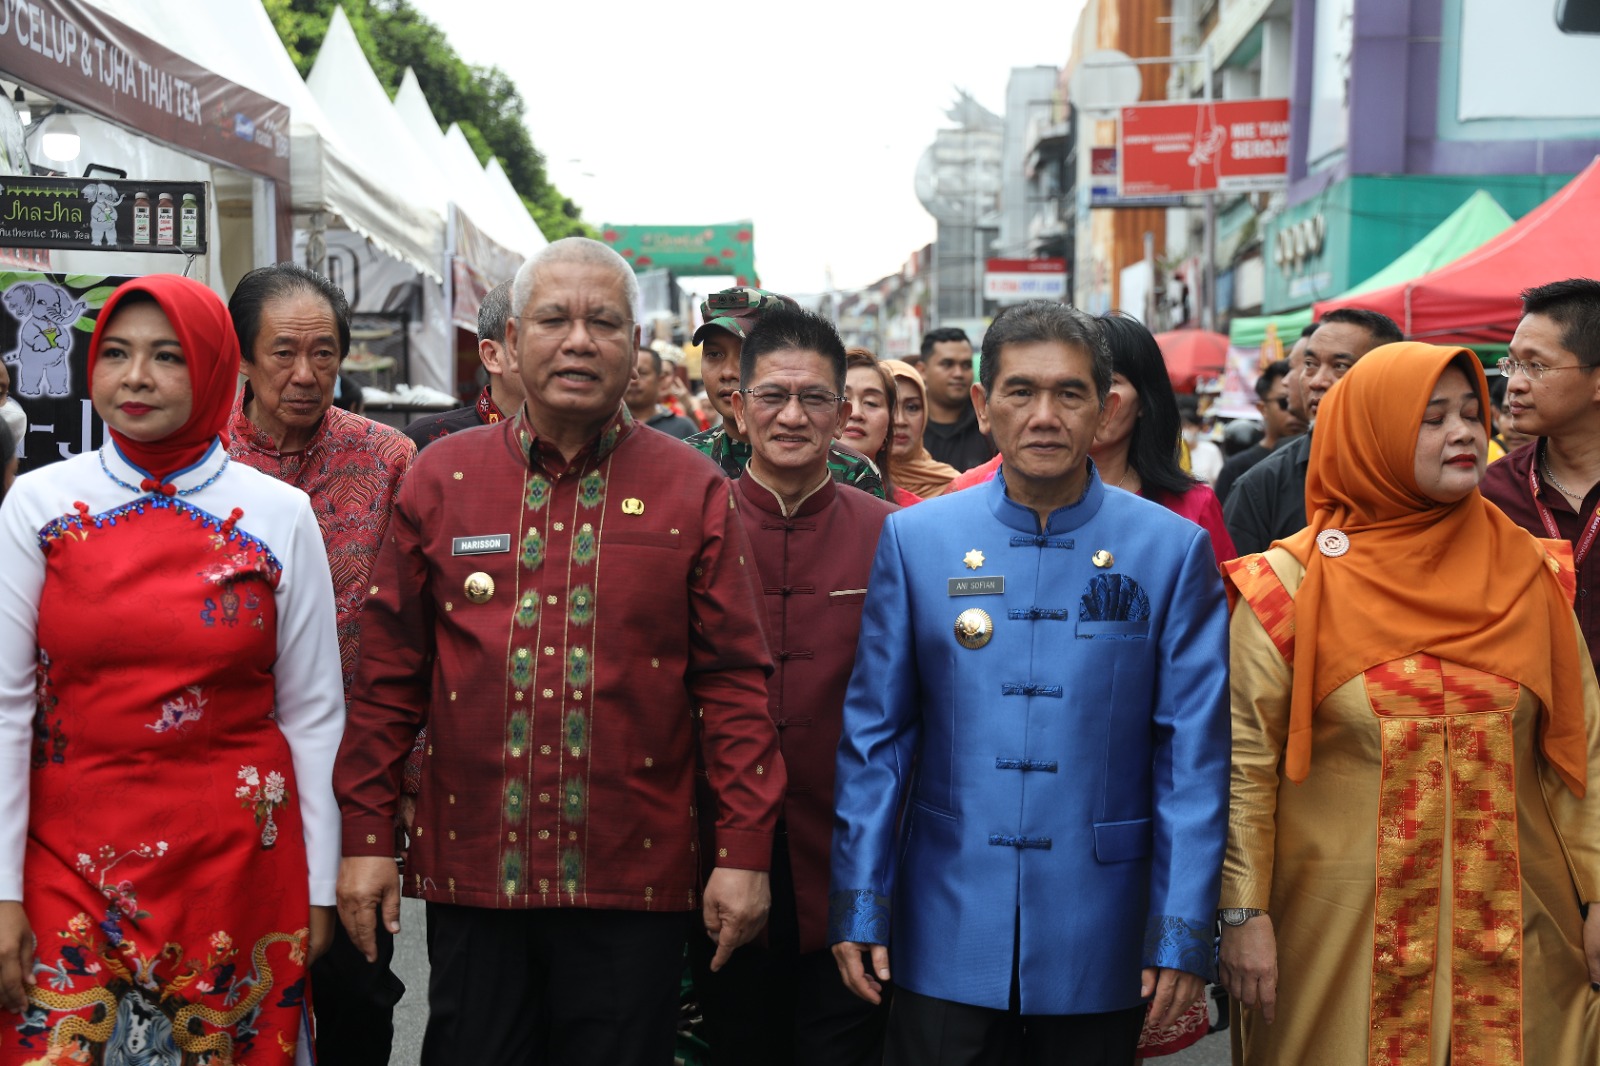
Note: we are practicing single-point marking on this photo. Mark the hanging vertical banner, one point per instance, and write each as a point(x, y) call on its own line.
point(46, 321)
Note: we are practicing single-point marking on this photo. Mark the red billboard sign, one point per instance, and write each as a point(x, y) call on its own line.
point(1012, 280)
point(1203, 146)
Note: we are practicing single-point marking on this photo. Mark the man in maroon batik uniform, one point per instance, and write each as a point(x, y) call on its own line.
point(569, 604)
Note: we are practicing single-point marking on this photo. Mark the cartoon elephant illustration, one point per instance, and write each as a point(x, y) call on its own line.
point(45, 314)
point(103, 213)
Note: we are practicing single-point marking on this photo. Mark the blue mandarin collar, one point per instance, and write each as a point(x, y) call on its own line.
point(1062, 519)
point(183, 480)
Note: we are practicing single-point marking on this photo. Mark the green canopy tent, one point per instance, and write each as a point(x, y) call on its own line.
point(1468, 227)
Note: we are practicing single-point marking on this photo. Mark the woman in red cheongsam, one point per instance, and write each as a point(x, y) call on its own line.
point(170, 706)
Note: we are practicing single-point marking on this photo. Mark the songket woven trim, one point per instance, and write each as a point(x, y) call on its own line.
point(1254, 579)
point(1471, 754)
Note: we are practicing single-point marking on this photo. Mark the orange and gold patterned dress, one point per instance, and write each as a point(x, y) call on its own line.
point(1424, 881)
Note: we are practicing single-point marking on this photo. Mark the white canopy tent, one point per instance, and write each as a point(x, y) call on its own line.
point(348, 91)
point(534, 239)
point(481, 240)
point(328, 176)
point(359, 111)
point(469, 188)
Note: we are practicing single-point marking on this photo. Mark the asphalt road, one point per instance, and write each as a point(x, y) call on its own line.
point(411, 963)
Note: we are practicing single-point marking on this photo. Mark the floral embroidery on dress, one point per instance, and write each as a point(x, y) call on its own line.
point(122, 899)
point(262, 796)
point(180, 713)
point(49, 741)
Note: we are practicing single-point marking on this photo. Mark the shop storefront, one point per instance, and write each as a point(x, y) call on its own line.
point(118, 114)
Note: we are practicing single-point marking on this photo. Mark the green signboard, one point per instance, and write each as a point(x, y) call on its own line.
point(689, 250)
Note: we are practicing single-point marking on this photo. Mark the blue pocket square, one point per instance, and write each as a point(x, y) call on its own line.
point(1114, 598)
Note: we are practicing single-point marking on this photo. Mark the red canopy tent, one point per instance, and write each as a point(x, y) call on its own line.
point(1189, 353)
point(1474, 299)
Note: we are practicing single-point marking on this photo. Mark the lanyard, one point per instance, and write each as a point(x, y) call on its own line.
point(1580, 550)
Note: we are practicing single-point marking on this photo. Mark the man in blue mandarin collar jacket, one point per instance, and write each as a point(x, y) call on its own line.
point(1033, 776)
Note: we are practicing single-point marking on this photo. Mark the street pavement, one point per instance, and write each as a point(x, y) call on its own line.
point(411, 963)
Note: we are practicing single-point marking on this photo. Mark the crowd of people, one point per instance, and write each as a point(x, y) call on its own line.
point(932, 720)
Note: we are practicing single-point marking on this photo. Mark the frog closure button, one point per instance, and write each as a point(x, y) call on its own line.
point(974, 627)
point(479, 587)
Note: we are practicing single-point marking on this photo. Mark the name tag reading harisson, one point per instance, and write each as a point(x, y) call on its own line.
point(991, 585)
point(485, 545)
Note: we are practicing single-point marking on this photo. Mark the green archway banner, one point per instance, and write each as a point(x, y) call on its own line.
point(727, 248)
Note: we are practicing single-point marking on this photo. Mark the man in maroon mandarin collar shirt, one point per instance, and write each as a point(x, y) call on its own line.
point(569, 604)
point(1551, 487)
point(814, 541)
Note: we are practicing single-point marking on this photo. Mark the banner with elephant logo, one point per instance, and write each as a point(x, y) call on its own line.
point(46, 321)
point(103, 214)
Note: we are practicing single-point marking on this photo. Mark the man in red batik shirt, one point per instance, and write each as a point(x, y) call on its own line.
point(568, 603)
point(294, 330)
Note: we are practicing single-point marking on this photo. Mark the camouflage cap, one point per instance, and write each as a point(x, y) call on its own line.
point(737, 310)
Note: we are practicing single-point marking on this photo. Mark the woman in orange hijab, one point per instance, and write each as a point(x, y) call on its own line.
point(914, 469)
point(1415, 727)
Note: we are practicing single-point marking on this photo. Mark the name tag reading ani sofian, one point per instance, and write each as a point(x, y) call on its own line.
point(991, 585)
point(487, 545)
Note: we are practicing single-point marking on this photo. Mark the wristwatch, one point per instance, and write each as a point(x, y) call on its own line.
point(1238, 915)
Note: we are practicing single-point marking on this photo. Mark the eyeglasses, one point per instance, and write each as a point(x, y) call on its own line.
point(1509, 366)
point(815, 401)
point(551, 327)
point(1282, 402)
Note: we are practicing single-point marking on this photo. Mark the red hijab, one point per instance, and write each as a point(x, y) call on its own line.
point(210, 351)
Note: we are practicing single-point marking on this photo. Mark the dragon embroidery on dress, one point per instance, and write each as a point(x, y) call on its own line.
point(180, 713)
point(49, 740)
point(262, 795)
point(151, 1010)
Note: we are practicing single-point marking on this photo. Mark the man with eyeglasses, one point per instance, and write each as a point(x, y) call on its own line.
point(568, 602)
point(294, 330)
point(728, 316)
point(781, 1002)
point(1269, 501)
point(1279, 424)
point(1551, 487)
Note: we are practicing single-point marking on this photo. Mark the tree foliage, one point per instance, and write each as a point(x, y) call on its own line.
point(482, 100)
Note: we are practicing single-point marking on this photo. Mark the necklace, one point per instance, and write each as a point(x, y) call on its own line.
point(159, 488)
point(1550, 477)
point(1122, 482)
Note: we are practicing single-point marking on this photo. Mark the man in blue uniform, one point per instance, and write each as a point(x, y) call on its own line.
point(1042, 677)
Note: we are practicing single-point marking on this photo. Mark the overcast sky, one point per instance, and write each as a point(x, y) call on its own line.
point(808, 117)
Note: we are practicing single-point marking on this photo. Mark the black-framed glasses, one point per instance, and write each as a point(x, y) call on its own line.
point(772, 398)
point(1282, 402)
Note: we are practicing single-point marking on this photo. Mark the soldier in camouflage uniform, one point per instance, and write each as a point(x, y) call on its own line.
point(728, 317)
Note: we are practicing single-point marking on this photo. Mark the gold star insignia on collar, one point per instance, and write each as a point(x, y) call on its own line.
point(973, 559)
